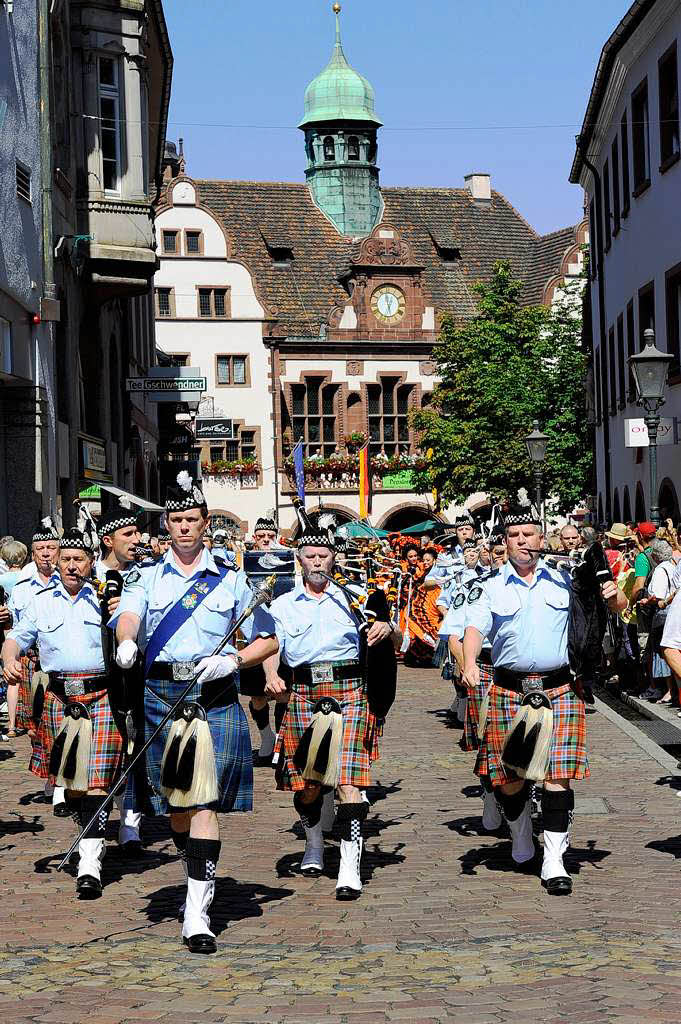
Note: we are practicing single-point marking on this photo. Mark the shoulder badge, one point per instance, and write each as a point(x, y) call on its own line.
point(133, 576)
point(459, 600)
point(474, 594)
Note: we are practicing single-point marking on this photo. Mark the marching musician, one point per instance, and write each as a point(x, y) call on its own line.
point(319, 639)
point(119, 537)
point(523, 609)
point(65, 621)
point(264, 538)
point(453, 627)
point(200, 765)
point(33, 578)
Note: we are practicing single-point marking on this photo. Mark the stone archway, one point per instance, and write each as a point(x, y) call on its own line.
point(626, 506)
point(409, 513)
point(616, 507)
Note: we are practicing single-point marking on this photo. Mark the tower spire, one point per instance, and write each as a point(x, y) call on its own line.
point(338, 56)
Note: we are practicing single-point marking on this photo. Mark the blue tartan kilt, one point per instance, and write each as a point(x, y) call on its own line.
point(231, 742)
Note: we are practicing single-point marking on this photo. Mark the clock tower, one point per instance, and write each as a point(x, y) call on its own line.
point(340, 126)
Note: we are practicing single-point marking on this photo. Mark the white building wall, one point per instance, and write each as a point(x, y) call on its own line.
point(646, 247)
point(203, 340)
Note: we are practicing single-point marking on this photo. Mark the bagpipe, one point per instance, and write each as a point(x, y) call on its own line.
point(369, 604)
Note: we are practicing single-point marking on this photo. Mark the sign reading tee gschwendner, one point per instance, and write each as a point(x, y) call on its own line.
point(162, 384)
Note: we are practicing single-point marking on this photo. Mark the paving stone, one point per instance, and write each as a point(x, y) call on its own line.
point(446, 929)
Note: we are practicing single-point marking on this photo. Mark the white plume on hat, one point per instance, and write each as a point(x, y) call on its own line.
point(47, 523)
point(326, 520)
point(523, 498)
point(184, 480)
point(124, 501)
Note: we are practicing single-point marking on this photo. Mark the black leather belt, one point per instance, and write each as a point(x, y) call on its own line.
point(173, 671)
point(325, 671)
point(525, 682)
point(63, 685)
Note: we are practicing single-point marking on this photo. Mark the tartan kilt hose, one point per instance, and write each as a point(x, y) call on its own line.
point(567, 758)
point(359, 743)
point(231, 744)
point(469, 737)
point(106, 750)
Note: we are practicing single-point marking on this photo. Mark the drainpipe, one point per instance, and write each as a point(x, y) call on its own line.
point(598, 245)
point(48, 309)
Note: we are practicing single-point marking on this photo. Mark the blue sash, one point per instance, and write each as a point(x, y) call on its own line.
point(182, 610)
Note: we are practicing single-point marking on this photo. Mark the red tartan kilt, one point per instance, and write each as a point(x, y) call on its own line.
point(567, 759)
point(106, 751)
point(469, 738)
point(50, 724)
point(359, 744)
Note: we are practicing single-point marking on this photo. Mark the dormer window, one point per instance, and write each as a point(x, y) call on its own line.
point(329, 149)
point(353, 148)
point(279, 246)
point(445, 245)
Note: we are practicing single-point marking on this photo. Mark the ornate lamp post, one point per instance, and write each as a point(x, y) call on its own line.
point(536, 448)
point(649, 368)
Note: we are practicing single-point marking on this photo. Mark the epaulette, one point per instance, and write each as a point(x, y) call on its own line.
point(132, 577)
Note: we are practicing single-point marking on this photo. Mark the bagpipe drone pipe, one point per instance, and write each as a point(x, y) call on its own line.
point(379, 662)
point(589, 613)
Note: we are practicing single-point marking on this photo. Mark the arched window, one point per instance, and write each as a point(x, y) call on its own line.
point(329, 148)
point(616, 507)
point(353, 148)
point(640, 510)
point(668, 501)
point(626, 506)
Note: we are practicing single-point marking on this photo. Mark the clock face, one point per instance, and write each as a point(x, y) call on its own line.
point(388, 304)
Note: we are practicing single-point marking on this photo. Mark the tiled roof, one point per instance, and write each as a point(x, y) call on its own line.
point(299, 295)
point(546, 261)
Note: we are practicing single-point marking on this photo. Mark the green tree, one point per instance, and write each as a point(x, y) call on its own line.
point(506, 367)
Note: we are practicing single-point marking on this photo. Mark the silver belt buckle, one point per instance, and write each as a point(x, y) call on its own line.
point(532, 685)
point(182, 671)
point(74, 688)
point(321, 671)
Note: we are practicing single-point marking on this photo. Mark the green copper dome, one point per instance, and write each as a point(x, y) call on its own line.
point(339, 93)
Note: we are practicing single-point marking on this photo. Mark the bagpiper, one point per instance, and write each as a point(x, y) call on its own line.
point(34, 578)
point(119, 536)
point(65, 622)
point(253, 683)
point(179, 610)
point(535, 719)
point(328, 738)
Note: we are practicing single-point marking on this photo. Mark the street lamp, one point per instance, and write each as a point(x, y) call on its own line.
point(536, 448)
point(649, 368)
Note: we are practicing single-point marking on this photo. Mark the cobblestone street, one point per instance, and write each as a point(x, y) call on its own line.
point(445, 930)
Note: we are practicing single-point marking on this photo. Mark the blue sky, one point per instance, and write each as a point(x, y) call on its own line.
point(511, 77)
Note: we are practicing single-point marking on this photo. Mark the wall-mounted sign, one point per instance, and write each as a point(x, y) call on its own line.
point(403, 480)
point(223, 430)
point(636, 432)
point(94, 456)
point(157, 388)
point(93, 493)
